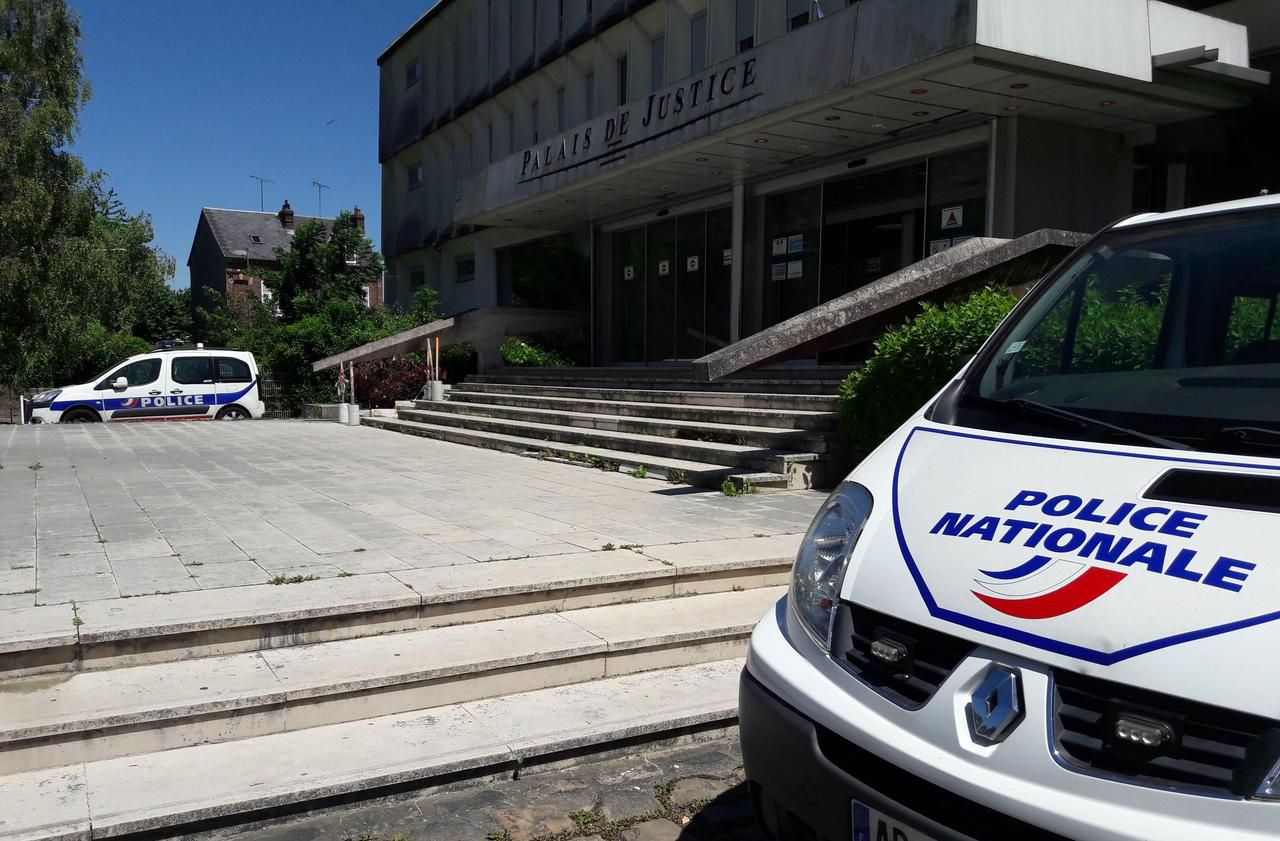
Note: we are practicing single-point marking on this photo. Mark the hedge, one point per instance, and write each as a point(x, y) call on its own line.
point(912, 362)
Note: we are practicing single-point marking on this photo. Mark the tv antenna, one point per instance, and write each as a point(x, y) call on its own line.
point(261, 194)
point(320, 188)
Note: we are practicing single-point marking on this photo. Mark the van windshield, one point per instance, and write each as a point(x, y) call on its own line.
point(1158, 336)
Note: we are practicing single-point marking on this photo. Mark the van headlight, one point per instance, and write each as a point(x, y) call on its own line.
point(823, 557)
point(47, 396)
point(1270, 788)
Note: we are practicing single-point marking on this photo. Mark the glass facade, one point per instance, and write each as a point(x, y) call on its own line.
point(671, 280)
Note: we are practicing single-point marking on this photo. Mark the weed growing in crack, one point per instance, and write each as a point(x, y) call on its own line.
point(291, 579)
point(641, 472)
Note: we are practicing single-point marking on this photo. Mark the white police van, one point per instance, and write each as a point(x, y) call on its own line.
point(1048, 606)
point(165, 384)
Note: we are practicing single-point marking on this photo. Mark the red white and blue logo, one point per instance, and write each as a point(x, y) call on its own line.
point(1061, 549)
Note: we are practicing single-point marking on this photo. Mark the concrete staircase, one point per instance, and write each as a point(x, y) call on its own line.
point(768, 431)
point(161, 714)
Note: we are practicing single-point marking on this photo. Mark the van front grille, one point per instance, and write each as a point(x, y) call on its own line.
point(1212, 750)
point(928, 656)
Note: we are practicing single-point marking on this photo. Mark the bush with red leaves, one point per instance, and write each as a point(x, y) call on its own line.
point(379, 384)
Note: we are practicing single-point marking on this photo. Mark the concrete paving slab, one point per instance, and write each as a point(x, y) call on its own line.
point(672, 621)
point(59, 589)
point(234, 574)
point(23, 629)
point(502, 578)
point(148, 616)
point(45, 806)
point(77, 702)
point(568, 717)
point(149, 792)
point(354, 665)
point(708, 555)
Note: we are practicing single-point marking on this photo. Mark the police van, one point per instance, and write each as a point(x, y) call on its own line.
point(1048, 606)
point(165, 384)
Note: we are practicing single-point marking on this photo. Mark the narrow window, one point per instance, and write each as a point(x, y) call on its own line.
point(466, 269)
point(745, 24)
point(622, 81)
point(658, 62)
point(412, 73)
point(561, 117)
point(590, 94)
point(797, 14)
point(415, 176)
point(537, 118)
point(698, 42)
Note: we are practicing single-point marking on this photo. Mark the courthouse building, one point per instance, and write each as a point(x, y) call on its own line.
point(690, 172)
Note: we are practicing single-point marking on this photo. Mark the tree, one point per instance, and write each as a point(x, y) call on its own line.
point(73, 263)
point(323, 263)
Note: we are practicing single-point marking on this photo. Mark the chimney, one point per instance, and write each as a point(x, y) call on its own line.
point(286, 216)
point(358, 216)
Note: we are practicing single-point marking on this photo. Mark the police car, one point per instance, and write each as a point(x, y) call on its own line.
point(165, 384)
point(1048, 606)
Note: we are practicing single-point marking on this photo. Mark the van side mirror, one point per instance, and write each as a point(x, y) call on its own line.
point(120, 384)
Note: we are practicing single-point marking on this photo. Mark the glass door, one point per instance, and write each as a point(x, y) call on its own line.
point(627, 276)
point(660, 292)
point(691, 286)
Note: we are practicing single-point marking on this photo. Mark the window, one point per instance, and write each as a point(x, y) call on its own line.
point(364, 295)
point(622, 81)
point(466, 269)
point(417, 278)
point(1251, 324)
point(537, 118)
point(560, 115)
point(589, 96)
point(658, 62)
point(415, 176)
point(698, 42)
point(142, 372)
point(232, 370)
point(490, 142)
point(255, 239)
point(797, 14)
point(745, 24)
point(190, 370)
point(412, 73)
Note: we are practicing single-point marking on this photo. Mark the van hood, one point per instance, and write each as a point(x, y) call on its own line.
point(1134, 564)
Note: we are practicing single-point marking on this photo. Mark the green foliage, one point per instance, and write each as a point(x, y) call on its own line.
point(325, 263)
point(911, 363)
point(640, 471)
point(426, 305)
point(520, 352)
point(73, 263)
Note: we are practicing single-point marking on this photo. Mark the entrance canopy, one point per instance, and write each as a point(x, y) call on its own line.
point(876, 74)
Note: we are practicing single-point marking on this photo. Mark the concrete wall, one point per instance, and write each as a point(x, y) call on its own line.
point(1048, 175)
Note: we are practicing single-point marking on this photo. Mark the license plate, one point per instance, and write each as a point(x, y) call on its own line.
point(870, 825)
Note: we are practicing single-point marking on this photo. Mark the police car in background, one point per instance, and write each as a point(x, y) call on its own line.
point(1048, 606)
point(165, 384)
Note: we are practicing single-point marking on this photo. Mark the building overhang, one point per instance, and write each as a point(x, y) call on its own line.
point(875, 74)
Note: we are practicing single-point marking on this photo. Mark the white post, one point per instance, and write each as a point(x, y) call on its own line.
point(22, 409)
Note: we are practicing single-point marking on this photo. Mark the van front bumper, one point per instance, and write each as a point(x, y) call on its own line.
point(815, 740)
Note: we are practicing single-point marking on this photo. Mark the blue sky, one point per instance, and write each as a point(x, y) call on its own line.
point(191, 97)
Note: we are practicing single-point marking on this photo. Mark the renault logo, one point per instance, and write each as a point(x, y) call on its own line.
point(995, 707)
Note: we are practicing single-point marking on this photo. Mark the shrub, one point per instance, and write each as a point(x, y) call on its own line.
point(912, 362)
point(521, 353)
point(380, 383)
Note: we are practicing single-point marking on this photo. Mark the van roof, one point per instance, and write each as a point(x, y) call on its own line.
point(192, 348)
point(1238, 205)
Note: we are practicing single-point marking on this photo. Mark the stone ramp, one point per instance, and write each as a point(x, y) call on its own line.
point(858, 315)
point(170, 791)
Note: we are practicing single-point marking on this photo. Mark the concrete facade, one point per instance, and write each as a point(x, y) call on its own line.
point(503, 123)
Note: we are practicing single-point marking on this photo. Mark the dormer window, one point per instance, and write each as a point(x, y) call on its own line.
point(255, 239)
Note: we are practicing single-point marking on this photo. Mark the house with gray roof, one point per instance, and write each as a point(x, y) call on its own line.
point(230, 244)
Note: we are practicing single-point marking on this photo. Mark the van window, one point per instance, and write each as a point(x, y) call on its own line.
point(232, 370)
point(142, 372)
point(1168, 330)
point(190, 370)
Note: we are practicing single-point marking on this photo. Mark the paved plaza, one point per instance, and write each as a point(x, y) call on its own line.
point(94, 512)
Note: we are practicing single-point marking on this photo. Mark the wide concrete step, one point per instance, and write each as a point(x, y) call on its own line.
point(779, 418)
point(177, 626)
point(764, 437)
point(679, 470)
point(87, 716)
point(827, 382)
point(745, 457)
point(607, 391)
point(176, 791)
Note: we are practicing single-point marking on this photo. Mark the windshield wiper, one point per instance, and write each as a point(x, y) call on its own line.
point(1083, 422)
point(1258, 435)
